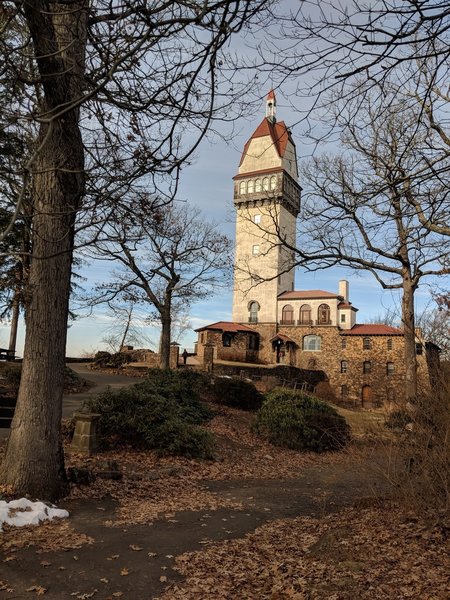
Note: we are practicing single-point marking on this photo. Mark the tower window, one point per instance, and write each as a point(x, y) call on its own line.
point(258, 185)
point(253, 308)
point(287, 315)
point(255, 249)
point(257, 219)
point(265, 184)
point(251, 186)
point(242, 187)
point(343, 318)
point(389, 344)
point(344, 366)
point(273, 182)
point(343, 343)
point(389, 368)
point(312, 343)
point(367, 367)
point(323, 314)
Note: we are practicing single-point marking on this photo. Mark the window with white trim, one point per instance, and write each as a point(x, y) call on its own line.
point(255, 249)
point(312, 343)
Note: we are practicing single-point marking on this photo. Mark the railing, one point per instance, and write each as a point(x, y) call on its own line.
point(305, 322)
point(287, 322)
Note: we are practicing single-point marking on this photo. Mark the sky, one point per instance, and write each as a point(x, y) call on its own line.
point(207, 184)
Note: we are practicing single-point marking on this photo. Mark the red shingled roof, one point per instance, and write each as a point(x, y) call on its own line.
point(347, 305)
point(307, 295)
point(277, 131)
point(227, 326)
point(375, 329)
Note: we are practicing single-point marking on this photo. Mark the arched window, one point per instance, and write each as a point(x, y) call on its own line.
point(265, 184)
point(305, 314)
point(312, 343)
point(287, 315)
point(273, 182)
point(258, 185)
point(251, 186)
point(323, 315)
point(242, 187)
point(253, 309)
point(226, 340)
point(389, 344)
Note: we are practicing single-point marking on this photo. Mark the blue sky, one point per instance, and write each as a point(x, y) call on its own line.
point(208, 185)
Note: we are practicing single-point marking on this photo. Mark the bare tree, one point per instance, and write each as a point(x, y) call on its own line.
point(121, 95)
point(169, 258)
point(358, 213)
point(126, 326)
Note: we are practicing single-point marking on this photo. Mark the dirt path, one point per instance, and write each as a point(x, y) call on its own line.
point(135, 562)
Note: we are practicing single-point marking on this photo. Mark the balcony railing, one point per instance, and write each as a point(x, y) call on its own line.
point(305, 322)
point(287, 322)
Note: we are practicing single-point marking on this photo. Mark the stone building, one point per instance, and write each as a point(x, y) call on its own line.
point(275, 324)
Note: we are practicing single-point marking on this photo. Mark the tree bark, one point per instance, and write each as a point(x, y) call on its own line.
point(15, 312)
point(166, 325)
point(34, 461)
point(408, 321)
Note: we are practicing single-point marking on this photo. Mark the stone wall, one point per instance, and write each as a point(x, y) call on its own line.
point(348, 383)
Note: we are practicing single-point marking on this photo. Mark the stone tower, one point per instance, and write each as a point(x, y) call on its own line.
point(267, 200)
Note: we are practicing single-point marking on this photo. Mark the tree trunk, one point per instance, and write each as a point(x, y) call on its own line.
point(34, 462)
point(408, 322)
point(166, 324)
point(15, 312)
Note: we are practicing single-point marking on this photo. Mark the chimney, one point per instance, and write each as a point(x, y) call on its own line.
point(344, 289)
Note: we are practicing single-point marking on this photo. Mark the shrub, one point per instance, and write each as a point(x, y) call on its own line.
point(398, 419)
point(12, 375)
point(161, 412)
point(290, 419)
point(236, 393)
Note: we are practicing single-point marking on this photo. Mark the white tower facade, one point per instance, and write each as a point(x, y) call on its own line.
point(267, 201)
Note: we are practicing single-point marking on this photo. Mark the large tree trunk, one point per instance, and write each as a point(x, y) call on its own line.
point(166, 326)
point(34, 462)
point(408, 322)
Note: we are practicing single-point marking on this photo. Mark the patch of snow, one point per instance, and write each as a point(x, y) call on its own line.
point(19, 513)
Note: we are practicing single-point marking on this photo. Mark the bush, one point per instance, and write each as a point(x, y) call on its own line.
point(12, 374)
point(398, 419)
point(290, 419)
point(161, 412)
point(112, 361)
point(237, 393)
